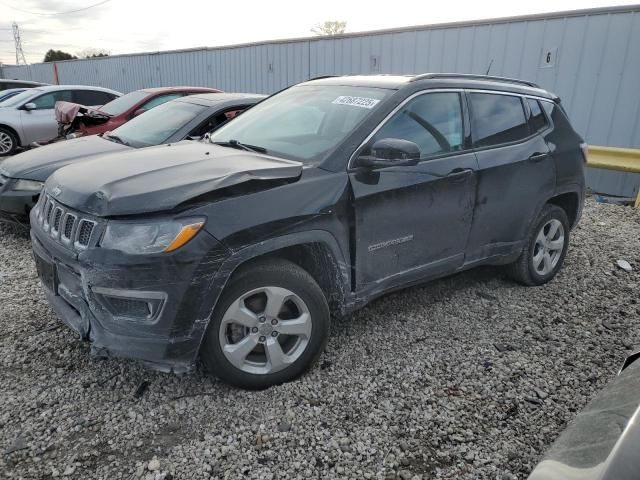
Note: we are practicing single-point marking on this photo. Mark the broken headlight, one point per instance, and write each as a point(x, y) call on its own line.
point(150, 237)
point(27, 185)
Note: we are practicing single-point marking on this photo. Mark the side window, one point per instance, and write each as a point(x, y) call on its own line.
point(160, 99)
point(433, 121)
point(537, 120)
point(92, 98)
point(216, 121)
point(497, 119)
point(48, 100)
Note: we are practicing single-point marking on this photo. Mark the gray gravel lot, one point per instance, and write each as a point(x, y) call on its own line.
point(468, 377)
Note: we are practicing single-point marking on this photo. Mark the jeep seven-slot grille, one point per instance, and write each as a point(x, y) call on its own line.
point(85, 231)
point(69, 223)
point(64, 225)
point(57, 216)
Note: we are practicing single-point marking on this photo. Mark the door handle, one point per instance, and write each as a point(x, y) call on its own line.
point(458, 174)
point(538, 157)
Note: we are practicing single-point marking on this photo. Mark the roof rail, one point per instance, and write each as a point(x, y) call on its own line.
point(469, 76)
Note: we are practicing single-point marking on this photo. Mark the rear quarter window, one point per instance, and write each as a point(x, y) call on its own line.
point(497, 119)
point(537, 119)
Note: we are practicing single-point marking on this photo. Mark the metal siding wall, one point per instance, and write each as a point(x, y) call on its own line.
point(596, 70)
point(612, 182)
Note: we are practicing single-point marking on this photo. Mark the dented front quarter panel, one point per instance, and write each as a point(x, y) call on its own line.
point(168, 342)
point(311, 210)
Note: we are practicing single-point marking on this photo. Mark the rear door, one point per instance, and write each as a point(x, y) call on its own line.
point(40, 124)
point(414, 221)
point(516, 173)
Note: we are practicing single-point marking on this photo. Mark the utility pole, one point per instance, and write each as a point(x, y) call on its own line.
point(18, 43)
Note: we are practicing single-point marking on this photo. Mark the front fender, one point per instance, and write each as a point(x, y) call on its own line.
point(249, 252)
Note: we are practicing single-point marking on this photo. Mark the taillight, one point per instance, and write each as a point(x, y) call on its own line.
point(585, 151)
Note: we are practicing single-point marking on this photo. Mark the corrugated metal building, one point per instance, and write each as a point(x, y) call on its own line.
point(591, 58)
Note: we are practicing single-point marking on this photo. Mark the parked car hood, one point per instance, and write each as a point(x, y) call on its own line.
point(160, 178)
point(39, 163)
point(602, 442)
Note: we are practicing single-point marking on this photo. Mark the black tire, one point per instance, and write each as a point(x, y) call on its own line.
point(523, 270)
point(5, 133)
point(269, 273)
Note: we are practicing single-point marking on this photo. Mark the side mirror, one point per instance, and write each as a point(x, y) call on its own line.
point(391, 152)
point(30, 106)
point(139, 111)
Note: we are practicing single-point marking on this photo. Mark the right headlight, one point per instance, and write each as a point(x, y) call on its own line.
point(150, 237)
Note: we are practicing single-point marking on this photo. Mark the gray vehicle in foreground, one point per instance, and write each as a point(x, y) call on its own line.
point(22, 176)
point(29, 116)
point(603, 441)
point(320, 198)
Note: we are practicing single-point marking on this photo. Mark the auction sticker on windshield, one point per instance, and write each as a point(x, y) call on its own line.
point(362, 102)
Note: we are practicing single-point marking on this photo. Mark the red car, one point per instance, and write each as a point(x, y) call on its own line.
point(124, 108)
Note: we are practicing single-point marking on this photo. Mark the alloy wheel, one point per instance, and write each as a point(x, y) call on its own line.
point(265, 330)
point(6, 143)
point(548, 248)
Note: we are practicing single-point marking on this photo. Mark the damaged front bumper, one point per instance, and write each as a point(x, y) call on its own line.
point(153, 308)
point(16, 202)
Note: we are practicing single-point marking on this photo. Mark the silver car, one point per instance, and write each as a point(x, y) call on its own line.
point(29, 116)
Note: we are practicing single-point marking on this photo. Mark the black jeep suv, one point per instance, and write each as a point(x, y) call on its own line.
point(236, 249)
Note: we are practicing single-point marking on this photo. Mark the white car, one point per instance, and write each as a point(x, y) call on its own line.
point(29, 116)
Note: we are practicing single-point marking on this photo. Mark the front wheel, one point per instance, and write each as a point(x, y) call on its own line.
point(8, 142)
point(270, 325)
point(545, 248)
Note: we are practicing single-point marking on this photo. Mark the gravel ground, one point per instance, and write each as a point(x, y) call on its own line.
point(468, 377)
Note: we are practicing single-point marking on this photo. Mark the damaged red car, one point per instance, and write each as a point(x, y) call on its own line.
point(119, 111)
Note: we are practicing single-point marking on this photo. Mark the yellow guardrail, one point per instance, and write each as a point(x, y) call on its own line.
point(612, 158)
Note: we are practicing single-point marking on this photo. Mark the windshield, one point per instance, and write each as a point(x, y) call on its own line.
point(305, 122)
point(5, 94)
point(123, 103)
point(21, 97)
point(157, 125)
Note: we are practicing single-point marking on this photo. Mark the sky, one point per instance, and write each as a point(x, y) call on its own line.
point(129, 26)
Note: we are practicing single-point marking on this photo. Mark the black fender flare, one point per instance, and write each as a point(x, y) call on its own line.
point(249, 252)
point(568, 188)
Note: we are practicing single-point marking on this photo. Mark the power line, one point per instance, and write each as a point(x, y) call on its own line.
point(55, 13)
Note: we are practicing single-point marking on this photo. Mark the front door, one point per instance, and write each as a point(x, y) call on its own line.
point(40, 125)
point(413, 221)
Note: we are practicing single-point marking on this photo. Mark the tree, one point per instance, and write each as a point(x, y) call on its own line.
point(57, 55)
point(330, 28)
point(93, 53)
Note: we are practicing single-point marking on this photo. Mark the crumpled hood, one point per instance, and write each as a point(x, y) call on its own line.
point(159, 178)
point(39, 163)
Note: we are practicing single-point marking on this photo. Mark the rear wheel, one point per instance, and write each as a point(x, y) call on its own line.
point(270, 325)
point(8, 142)
point(546, 247)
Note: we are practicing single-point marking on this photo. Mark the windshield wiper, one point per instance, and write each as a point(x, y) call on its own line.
point(241, 146)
